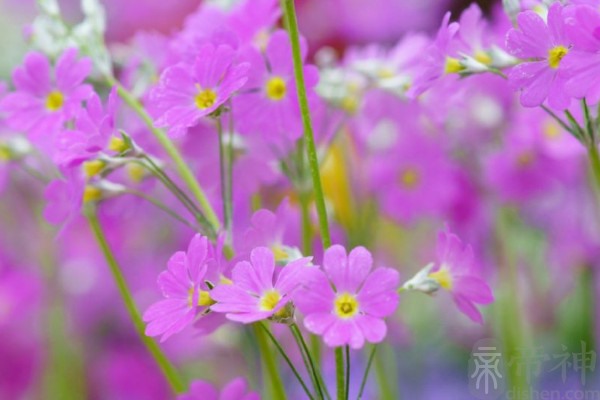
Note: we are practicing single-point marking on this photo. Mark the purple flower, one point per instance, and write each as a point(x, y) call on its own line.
point(545, 44)
point(94, 128)
point(258, 290)
point(271, 109)
point(45, 98)
point(186, 293)
point(348, 301)
point(271, 229)
point(188, 92)
point(413, 180)
point(582, 63)
point(454, 271)
point(237, 389)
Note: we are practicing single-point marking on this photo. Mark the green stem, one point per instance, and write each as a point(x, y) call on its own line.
point(224, 172)
point(177, 192)
point(308, 360)
point(289, 12)
point(339, 373)
point(363, 382)
point(183, 169)
point(286, 358)
point(160, 205)
point(347, 390)
point(168, 370)
point(271, 378)
point(594, 158)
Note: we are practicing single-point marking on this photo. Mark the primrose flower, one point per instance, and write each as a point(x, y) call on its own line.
point(348, 301)
point(583, 61)
point(545, 44)
point(46, 98)
point(270, 109)
point(269, 229)
point(94, 128)
point(188, 92)
point(454, 271)
point(186, 293)
point(237, 389)
point(258, 290)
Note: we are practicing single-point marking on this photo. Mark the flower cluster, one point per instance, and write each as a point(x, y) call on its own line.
point(297, 169)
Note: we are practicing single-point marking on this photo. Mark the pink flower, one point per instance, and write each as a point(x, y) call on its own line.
point(348, 301)
point(271, 108)
point(44, 98)
point(94, 128)
point(188, 92)
point(186, 293)
point(454, 271)
point(258, 290)
point(414, 179)
point(546, 44)
point(237, 389)
point(583, 61)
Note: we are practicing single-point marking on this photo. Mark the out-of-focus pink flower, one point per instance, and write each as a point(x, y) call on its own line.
point(347, 303)
point(237, 389)
point(546, 44)
point(46, 98)
point(414, 179)
point(94, 128)
point(582, 63)
point(186, 292)
point(270, 106)
point(454, 270)
point(187, 93)
point(259, 291)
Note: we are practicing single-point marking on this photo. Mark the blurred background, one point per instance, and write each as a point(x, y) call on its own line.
point(64, 334)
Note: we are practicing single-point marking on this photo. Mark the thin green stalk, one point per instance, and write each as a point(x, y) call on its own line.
point(347, 390)
point(286, 358)
point(183, 169)
point(162, 206)
point(594, 158)
point(339, 373)
point(289, 12)
point(363, 382)
point(271, 378)
point(315, 375)
point(177, 192)
point(224, 172)
point(168, 370)
point(230, 159)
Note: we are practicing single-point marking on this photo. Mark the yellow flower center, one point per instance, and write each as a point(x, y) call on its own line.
point(204, 299)
point(205, 99)
point(483, 57)
point(92, 168)
point(276, 88)
point(443, 277)
point(345, 305)
point(91, 193)
point(136, 172)
point(555, 55)
point(525, 158)
point(278, 252)
point(453, 66)
point(5, 153)
point(117, 144)
point(54, 100)
point(410, 178)
point(269, 300)
point(551, 130)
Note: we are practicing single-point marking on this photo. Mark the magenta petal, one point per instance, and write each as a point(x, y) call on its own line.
point(318, 323)
point(468, 308)
point(473, 288)
point(373, 329)
point(263, 263)
point(378, 296)
point(360, 262)
point(335, 263)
